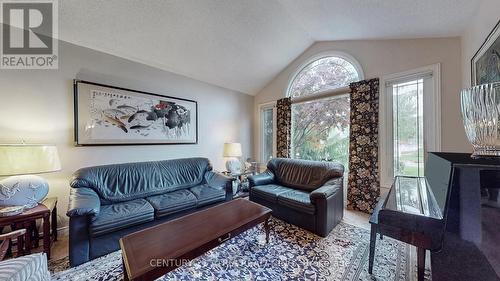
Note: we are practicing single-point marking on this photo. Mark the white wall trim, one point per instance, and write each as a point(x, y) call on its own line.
point(320, 55)
point(385, 124)
point(63, 231)
point(259, 129)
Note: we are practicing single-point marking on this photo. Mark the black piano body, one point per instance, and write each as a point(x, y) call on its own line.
point(415, 210)
point(445, 206)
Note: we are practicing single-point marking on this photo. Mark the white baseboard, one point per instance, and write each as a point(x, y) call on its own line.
point(64, 230)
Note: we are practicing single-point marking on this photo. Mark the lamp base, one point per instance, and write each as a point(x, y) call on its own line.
point(233, 165)
point(24, 191)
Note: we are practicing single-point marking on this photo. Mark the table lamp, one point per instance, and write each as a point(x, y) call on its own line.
point(232, 151)
point(21, 162)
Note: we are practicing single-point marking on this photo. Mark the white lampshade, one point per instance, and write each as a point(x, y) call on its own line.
point(24, 159)
point(232, 149)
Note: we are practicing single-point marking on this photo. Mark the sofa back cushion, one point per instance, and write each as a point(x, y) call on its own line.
point(304, 174)
point(123, 182)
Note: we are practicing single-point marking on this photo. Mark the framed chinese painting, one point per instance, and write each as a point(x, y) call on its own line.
point(108, 115)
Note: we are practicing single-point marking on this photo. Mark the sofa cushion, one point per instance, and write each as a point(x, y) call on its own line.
point(207, 195)
point(269, 192)
point(172, 202)
point(304, 174)
point(124, 182)
point(297, 200)
point(121, 215)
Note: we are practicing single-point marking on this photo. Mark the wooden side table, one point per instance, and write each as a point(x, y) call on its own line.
point(51, 204)
point(27, 220)
point(239, 178)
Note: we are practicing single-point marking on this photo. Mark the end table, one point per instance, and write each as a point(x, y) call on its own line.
point(239, 179)
point(27, 219)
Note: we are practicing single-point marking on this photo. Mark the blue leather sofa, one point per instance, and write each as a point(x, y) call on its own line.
point(309, 194)
point(109, 202)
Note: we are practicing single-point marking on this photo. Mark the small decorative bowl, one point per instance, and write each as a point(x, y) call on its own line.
point(11, 211)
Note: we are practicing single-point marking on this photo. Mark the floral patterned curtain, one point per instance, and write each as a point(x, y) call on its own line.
point(363, 188)
point(283, 125)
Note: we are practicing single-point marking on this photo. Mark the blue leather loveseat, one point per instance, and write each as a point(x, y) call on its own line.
point(309, 194)
point(109, 202)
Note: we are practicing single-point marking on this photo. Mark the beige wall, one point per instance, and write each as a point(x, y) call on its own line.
point(383, 57)
point(37, 106)
point(487, 15)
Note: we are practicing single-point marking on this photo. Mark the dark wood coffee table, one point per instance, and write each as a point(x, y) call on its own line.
point(155, 251)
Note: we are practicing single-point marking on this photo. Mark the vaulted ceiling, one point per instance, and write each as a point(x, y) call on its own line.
point(243, 44)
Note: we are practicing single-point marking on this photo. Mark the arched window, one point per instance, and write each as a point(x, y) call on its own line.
point(325, 73)
point(320, 127)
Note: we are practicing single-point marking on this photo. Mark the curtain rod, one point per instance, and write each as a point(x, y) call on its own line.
point(323, 94)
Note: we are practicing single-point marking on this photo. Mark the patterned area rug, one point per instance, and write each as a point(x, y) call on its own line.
point(293, 254)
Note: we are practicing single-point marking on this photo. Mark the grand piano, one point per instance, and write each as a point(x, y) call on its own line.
point(424, 211)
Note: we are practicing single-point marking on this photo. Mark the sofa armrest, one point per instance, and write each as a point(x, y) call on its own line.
point(83, 202)
point(220, 181)
point(327, 190)
point(261, 179)
point(329, 203)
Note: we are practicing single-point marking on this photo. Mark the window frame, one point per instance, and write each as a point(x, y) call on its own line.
point(318, 56)
point(337, 95)
point(432, 123)
point(325, 93)
point(260, 135)
point(318, 95)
